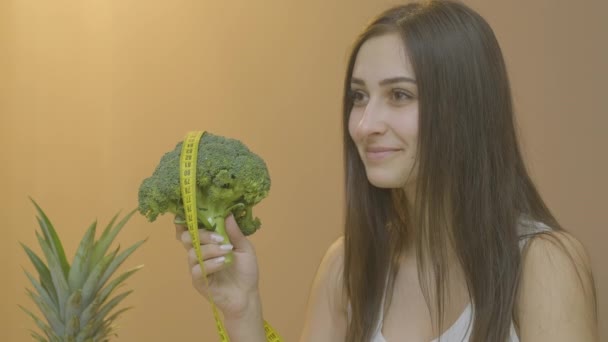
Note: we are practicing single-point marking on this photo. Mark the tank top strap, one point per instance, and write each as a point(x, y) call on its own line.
point(528, 228)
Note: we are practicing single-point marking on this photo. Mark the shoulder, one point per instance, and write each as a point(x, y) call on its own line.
point(556, 299)
point(326, 316)
point(331, 270)
point(556, 255)
point(335, 252)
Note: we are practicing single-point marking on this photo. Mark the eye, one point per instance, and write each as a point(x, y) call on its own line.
point(400, 95)
point(358, 97)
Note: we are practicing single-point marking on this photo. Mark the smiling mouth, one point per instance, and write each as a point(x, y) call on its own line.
point(379, 155)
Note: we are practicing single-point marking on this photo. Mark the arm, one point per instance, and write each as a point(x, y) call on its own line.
point(250, 326)
point(326, 316)
point(557, 298)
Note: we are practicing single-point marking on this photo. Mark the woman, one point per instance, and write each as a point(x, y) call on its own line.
point(446, 237)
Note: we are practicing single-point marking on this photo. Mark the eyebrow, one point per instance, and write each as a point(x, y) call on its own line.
point(387, 80)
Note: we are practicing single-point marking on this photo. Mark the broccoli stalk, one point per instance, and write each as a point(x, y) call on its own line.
point(230, 179)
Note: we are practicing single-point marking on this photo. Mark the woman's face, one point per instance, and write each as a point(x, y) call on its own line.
point(384, 120)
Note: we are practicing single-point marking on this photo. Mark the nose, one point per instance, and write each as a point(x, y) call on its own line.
point(372, 121)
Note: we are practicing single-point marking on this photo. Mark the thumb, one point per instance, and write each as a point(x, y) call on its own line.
point(237, 239)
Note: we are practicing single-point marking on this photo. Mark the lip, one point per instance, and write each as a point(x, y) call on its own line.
point(378, 149)
point(379, 153)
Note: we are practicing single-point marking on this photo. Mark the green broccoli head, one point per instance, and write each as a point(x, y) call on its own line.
point(229, 179)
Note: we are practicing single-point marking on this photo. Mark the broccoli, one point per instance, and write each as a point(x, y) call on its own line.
point(229, 179)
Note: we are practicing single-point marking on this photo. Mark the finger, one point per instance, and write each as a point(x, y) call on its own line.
point(179, 230)
point(208, 252)
point(211, 266)
point(204, 236)
point(180, 226)
point(236, 236)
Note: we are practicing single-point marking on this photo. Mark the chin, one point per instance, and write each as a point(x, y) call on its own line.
point(388, 180)
point(385, 181)
point(383, 184)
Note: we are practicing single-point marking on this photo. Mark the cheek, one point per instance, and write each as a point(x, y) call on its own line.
point(407, 127)
point(352, 125)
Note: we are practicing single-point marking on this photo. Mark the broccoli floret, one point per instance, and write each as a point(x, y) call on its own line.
point(229, 179)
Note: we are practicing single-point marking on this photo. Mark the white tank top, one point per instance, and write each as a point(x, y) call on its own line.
point(461, 330)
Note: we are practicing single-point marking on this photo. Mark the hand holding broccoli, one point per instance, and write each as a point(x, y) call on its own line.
point(235, 288)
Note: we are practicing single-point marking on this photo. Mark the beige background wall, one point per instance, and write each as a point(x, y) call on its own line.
point(92, 93)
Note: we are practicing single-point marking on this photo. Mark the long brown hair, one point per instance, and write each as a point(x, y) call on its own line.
point(472, 186)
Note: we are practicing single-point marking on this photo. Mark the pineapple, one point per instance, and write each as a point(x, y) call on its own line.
point(75, 299)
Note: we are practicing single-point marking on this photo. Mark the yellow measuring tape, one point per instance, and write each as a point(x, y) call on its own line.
point(189, 154)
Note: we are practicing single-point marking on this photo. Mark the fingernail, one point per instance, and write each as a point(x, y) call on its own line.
point(186, 236)
point(217, 237)
point(226, 247)
point(219, 260)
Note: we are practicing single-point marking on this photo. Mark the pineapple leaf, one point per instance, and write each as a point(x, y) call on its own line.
point(89, 312)
point(118, 261)
point(79, 267)
point(51, 308)
point(105, 293)
point(86, 332)
point(72, 328)
point(92, 284)
point(72, 311)
point(53, 240)
point(108, 235)
point(43, 273)
point(57, 275)
point(51, 318)
point(104, 331)
point(72, 298)
point(107, 330)
point(117, 313)
point(68, 338)
point(45, 328)
point(37, 336)
point(110, 305)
